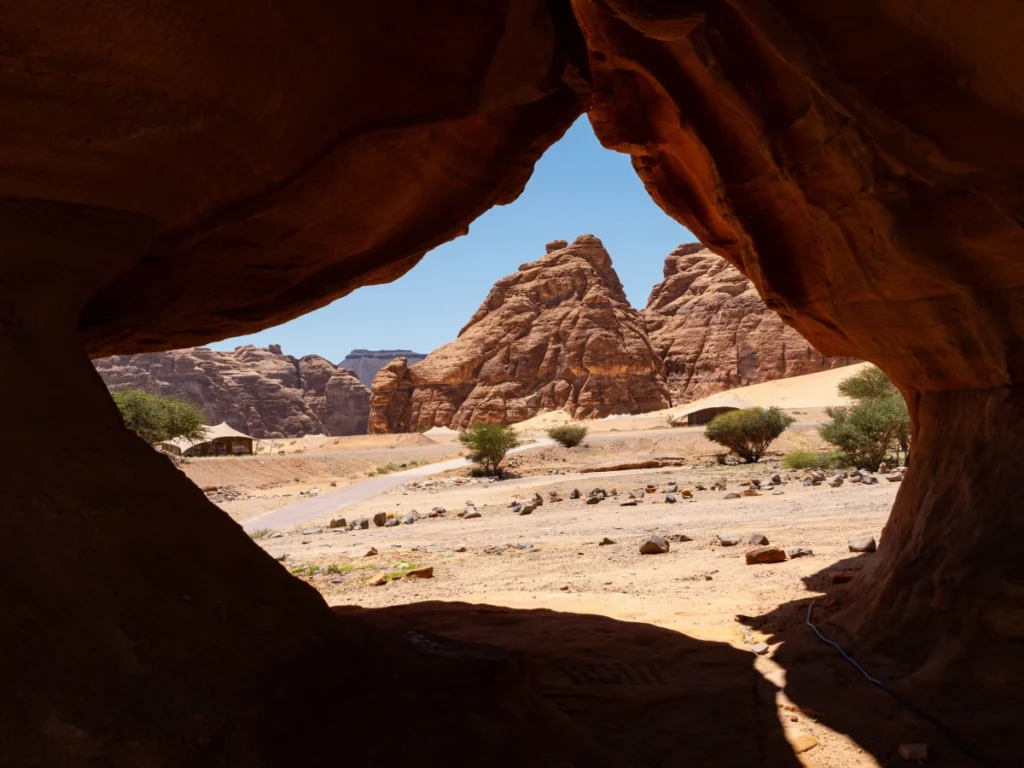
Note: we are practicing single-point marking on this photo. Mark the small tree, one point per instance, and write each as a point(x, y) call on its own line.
point(157, 419)
point(748, 432)
point(488, 444)
point(569, 435)
point(878, 423)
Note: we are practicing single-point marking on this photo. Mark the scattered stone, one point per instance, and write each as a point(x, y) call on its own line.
point(855, 478)
point(564, 587)
point(338, 522)
point(777, 492)
point(795, 552)
point(679, 538)
point(654, 545)
point(894, 477)
point(751, 492)
point(835, 481)
point(312, 531)
point(686, 493)
point(765, 555)
point(392, 523)
point(728, 540)
point(538, 500)
point(281, 557)
point(758, 540)
point(575, 493)
point(651, 489)
point(777, 479)
point(379, 581)
point(471, 513)
point(917, 752)
point(605, 542)
point(439, 510)
point(808, 481)
point(731, 495)
point(803, 742)
point(869, 479)
point(276, 535)
point(760, 648)
point(593, 499)
point(524, 509)
point(629, 502)
point(421, 573)
point(670, 499)
point(360, 524)
point(746, 483)
point(409, 519)
point(306, 541)
point(718, 485)
point(338, 579)
point(380, 518)
point(700, 486)
point(862, 544)
point(461, 549)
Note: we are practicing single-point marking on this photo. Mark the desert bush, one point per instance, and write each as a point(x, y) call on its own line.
point(813, 460)
point(878, 423)
point(488, 444)
point(260, 533)
point(869, 430)
point(569, 435)
point(157, 419)
point(748, 432)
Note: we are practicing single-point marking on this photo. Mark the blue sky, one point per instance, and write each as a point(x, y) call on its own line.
point(577, 188)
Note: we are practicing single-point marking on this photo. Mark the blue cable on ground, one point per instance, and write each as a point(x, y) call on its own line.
point(950, 734)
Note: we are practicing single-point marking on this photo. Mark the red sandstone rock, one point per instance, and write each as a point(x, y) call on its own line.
point(261, 392)
point(714, 332)
point(559, 333)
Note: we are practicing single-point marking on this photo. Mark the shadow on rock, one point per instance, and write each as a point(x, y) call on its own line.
point(826, 687)
point(635, 694)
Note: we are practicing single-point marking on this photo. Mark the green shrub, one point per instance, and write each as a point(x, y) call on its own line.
point(260, 533)
point(157, 419)
point(869, 430)
point(569, 435)
point(812, 460)
point(868, 384)
point(748, 432)
point(488, 444)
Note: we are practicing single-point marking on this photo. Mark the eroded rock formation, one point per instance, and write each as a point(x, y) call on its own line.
point(366, 362)
point(175, 173)
point(714, 332)
point(558, 334)
point(261, 392)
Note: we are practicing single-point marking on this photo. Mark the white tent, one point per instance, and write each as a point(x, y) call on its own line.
point(232, 440)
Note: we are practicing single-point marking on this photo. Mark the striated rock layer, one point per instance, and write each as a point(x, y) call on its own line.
point(714, 332)
point(261, 392)
point(559, 333)
point(365, 363)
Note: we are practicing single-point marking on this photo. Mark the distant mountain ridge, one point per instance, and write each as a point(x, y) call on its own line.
point(366, 362)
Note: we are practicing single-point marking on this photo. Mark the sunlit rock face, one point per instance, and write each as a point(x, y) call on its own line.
point(557, 334)
point(714, 333)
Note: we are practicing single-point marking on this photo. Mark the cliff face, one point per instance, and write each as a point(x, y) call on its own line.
point(559, 333)
point(259, 391)
point(365, 363)
point(714, 333)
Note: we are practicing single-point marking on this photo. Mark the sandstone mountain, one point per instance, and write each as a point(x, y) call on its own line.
point(707, 322)
point(365, 363)
point(559, 333)
point(259, 391)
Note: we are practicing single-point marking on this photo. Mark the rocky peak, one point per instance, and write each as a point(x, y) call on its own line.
point(559, 333)
point(714, 332)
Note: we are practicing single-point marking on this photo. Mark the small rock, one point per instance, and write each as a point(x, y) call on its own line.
point(306, 541)
point(718, 485)
point(758, 540)
point(795, 552)
point(593, 499)
point(731, 496)
point(409, 519)
point(679, 538)
point(808, 481)
point(605, 542)
point(686, 493)
point(421, 573)
point(312, 531)
point(370, 552)
point(575, 493)
point(855, 478)
point(862, 544)
point(728, 540)
point(276, 535)
point(803, 742)
point(392, 523)
point(439, 510)
point(651, 489)
point(379, 581)
point(524, 509)
point(700, 486)
point(765, 555)
point(380, 518)
point(282, 556)
point(460, 549)
point(538, 500)
point(835, 481)
point(654, 545)
point(869, 480)
point(360, 524)
point(751, 492)
point(894, 477)
point(777, 479)
point(670, 499)
point(629, 503)
point(564, 587)
point(777, 492)
point(913, 751)
point(338, 579)
point(338, 522)
point(760, 649)
point(471, 513)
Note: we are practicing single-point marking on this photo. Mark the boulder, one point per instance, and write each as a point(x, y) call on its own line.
point(835, 481)
point(593, 499)
point(763, 555)
point(360, 524)
point(654, 545)
point(728, 540)
point(862, 544)
point(420, 573)
point(338, 522)
point(524, 509)
point(757, 539)
point(380, 518)
point(575, 494)
point(471, 513)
